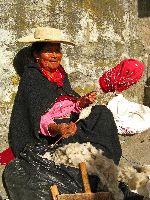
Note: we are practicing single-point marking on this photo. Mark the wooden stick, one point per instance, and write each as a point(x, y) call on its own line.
point(77, 120)
point(55, 192)
point(57, 141)
point(85, 179)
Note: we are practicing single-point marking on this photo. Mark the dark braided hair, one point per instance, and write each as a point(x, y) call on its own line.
point(38, 46)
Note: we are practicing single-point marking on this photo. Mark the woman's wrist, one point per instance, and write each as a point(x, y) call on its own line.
point(82, 102)
point(77, 106)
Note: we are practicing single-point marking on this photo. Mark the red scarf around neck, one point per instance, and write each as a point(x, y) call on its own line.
point(57, 76)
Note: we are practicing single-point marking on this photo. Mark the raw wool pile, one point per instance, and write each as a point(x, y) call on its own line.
point(75, 153)
point(137, 178)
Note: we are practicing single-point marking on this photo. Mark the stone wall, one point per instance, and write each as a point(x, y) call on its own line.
point(105, 32)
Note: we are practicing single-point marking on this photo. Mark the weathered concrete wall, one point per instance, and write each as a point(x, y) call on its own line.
point(105, 33)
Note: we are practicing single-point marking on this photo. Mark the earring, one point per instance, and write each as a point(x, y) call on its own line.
point(37, 60)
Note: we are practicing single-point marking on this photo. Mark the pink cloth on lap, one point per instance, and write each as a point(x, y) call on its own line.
point(60, 109)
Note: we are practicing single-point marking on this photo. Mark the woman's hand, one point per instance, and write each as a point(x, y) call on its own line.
point(86, 100)
point(67, 129)
point(64, 129)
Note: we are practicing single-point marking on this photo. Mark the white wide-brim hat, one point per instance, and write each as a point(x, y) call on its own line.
point(46, 34)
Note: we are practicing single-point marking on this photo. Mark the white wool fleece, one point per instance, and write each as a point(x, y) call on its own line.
point(75, 153)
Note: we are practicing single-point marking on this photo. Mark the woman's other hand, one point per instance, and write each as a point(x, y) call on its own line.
point(64, 129)
point(86, 100)
point(67, 129)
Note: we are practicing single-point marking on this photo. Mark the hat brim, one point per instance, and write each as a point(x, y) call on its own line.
point(31, 39)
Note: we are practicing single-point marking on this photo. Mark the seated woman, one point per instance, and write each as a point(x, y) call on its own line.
point(46, 108)
point(43, 81)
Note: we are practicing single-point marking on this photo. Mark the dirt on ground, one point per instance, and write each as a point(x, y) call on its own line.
point(135, 150)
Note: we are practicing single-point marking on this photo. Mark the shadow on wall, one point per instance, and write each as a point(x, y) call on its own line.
point(22, 58)
point(147, 93)
point(143, 8)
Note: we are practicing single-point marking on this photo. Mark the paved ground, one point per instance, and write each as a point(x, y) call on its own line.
point(135, 148)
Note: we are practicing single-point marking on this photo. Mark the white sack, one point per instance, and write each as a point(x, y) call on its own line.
point(130, 117)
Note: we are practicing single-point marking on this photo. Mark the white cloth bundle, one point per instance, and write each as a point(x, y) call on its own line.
point(130, 117)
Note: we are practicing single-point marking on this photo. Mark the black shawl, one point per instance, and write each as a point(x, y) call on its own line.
point(34, 97)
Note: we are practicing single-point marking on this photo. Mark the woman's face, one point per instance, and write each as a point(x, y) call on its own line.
point(50, 56)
